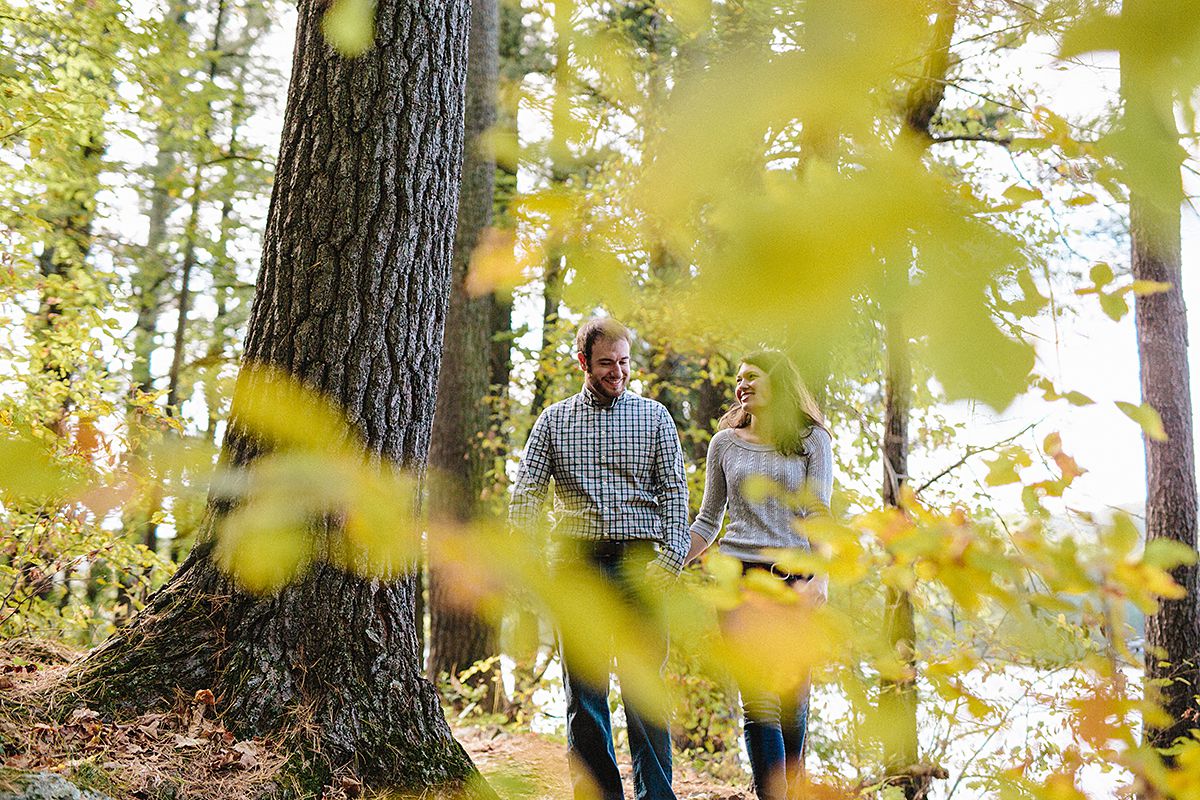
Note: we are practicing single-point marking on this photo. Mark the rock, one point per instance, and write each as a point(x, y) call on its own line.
point(49, 786)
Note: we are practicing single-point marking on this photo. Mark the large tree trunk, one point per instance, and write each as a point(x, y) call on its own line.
point(351, 302)
point(458, 636)
point(1173, 633)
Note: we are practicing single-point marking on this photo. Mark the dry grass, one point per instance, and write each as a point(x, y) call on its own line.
point(184, 753)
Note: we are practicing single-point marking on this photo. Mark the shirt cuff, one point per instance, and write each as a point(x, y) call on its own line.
point(669, 561)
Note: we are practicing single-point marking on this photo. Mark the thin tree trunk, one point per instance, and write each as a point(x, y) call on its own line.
point(458, 636)
point(898, 698)
point(351, 302)
point(560, 158)
point(191, 232)
point(1173, 632)
point(710, 401)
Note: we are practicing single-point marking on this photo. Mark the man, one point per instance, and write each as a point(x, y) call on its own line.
point(621, 505)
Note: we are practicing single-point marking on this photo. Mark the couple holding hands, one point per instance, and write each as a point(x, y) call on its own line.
point(621, 504)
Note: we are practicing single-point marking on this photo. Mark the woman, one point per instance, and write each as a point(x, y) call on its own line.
point(776, 431)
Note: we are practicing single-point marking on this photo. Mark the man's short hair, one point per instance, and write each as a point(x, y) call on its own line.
point(599, 328)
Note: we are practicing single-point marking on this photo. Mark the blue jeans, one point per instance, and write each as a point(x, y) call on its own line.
point(775, 723)
point(775, 727)
point(589, 728)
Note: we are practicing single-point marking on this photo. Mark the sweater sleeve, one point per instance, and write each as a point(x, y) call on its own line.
point(712, 508)
point(818, 447)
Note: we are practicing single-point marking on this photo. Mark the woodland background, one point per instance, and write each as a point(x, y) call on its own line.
point(923, 202)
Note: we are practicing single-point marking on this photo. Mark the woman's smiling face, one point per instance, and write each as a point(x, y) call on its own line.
point(753, 388)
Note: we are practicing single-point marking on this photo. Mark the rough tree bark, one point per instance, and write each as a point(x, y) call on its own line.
point(351, 302)
point(459, 637)
point(1173, 633)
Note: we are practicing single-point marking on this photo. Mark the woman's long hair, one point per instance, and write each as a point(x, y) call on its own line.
point(793, 410)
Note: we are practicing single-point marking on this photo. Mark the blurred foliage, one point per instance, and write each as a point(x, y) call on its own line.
point(719, 175)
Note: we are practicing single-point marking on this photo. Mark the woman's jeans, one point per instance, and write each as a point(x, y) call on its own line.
point(775, 724)
point(589, 729)
point(775, 728)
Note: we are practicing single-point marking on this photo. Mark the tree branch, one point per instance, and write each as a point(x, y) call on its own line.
point(1003, 141)
point(974, 451)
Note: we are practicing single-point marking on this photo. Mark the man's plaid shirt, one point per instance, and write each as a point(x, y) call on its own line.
point(618, 474)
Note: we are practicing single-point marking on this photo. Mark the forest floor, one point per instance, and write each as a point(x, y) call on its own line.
point(536, 767)
point(186, 753)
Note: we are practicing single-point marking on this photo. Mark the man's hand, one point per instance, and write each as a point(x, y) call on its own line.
point(659, 580)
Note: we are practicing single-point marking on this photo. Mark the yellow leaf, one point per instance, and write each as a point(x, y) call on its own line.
point(263, 552)
point(1146, 416)
point(27, 472)
point(1123, 536)
point(1002, 470)
point(1101, 274)
point(495, 266)
point(1019, 195)
point(349, 26)
point(1142, 288)
point(279, 408)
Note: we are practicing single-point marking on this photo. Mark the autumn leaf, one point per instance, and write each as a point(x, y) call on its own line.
point(495, 264)
point(1003, 469)
point(1147, 417)
point(349, 26)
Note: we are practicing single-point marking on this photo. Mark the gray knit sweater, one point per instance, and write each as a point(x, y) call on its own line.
point(767, 524)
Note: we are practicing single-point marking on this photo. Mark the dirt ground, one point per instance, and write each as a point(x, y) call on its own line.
point(524, 765)
point(187, 747)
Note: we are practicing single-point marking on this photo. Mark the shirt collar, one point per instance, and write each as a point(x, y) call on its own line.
point(589, 398)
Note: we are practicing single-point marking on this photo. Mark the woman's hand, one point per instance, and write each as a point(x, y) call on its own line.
point(814, 592)
point(699, 545)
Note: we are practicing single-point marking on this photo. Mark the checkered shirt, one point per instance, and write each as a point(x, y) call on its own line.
point(617, 470)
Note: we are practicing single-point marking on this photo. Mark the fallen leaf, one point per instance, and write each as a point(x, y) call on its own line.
point(249, 754)
point(83, 715)
point(351, 786)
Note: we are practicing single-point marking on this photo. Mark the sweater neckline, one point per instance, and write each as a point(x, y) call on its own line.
point(758, 447)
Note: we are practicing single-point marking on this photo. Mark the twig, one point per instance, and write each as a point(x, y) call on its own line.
point(974, 451)
point(1003, 141)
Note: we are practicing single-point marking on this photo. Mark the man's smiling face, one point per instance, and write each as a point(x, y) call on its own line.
point(608, 373)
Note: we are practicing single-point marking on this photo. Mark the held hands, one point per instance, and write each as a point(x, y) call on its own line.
point(813, 592)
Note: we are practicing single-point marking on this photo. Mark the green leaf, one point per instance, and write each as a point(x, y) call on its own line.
point(1113, 305)
point(1123, 536)
point(1167, 554)
point(349, 26)
point(1101, 274)
point(1146, 416)
point(1019, 195)
point(1003, 469)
